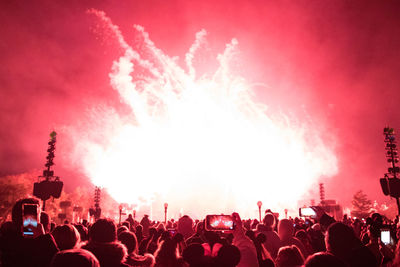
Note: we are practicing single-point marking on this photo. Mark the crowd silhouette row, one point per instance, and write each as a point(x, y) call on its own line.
point(320, 241)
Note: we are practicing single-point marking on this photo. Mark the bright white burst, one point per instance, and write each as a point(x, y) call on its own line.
point(202, 144)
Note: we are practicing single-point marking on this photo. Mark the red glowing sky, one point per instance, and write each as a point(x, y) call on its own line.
point(336, 61)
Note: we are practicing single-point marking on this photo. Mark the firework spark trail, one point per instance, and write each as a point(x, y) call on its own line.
point(203, 144)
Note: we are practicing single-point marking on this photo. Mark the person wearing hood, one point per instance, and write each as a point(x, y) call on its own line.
point(75, 258)
point(104, 245)
point(129, 240)
point(17, 249)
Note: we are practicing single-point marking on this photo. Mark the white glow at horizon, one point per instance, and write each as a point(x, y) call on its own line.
point(202, 144)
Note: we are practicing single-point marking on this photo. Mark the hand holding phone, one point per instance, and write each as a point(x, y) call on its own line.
point(385, 236)
point(219, 223)
point(307, 212)
point(30, 218)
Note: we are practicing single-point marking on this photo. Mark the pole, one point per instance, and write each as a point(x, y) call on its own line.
point(120, 214)
point(259, 204)
point(165, 212)
point(44, 205)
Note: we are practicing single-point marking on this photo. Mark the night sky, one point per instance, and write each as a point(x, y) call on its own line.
point(336, 62)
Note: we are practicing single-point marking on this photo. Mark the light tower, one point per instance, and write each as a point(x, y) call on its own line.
point(391, 183)
point(48, 184)
point(322, 194)
point(96, 211)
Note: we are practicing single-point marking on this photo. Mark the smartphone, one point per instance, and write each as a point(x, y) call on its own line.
point(385, 236)
point(219, 223)
point(29, 218)
point(172, 231)
point(307, 212)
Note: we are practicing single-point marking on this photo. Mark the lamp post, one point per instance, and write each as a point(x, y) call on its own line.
point(120, 213)
point(259, 204)
point(165, 212)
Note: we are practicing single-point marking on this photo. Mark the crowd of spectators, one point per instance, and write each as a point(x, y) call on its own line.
point(310, 242)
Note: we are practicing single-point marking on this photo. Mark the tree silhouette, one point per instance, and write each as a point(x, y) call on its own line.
point(362, 206)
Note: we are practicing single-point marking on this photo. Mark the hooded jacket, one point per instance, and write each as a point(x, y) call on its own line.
point(110, 254)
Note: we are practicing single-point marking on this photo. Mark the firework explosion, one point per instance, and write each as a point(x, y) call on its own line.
point(202, 143)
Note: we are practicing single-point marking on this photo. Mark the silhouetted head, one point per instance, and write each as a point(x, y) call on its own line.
point(194, 255)
point(324, 259)
point(302, 235)
point(339, 239)
point(83, 231)
point(75, 258)
point(228, 256)
point(285, 229)
point(167, 252)
point(289, 256)
point(127, 224)
point(66, 236)
point(152, 231)
point(103, 231)
point(269, 220)
point(121, 229)
point(374, 232)
point(129, 240)
point(199, 227)
point(185, 226)
point(377, 220)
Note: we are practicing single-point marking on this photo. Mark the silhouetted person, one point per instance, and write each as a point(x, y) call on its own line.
point(17, 250)
point(130, 220)
point(143, 247)
point(373, 244)
point(304, 238)
point(198, 236)
point(139, 233)
point(341, 242)
point(289, 256)
point(324, 259)
point(167, 255)
point(317, 238)
point(228, 256)
point(272, 241)
point(185, 226)
point(145, 222)
point(104, 245)
point(66, 236)
point(83, 231)
point(285, 231)
point(75, 258)
point(194, 255)
point(129, 240)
